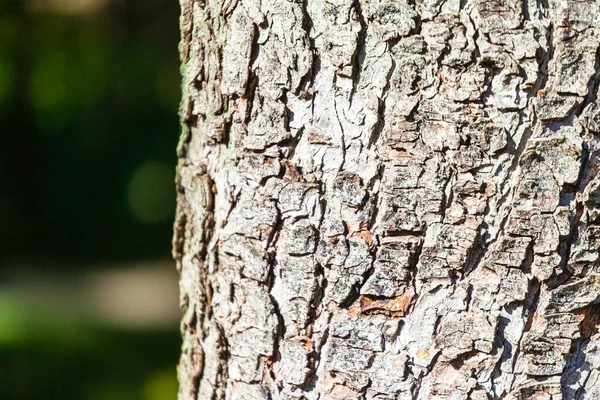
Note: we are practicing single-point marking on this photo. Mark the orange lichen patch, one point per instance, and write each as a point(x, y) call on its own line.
point(291, 172)
point(263, 227)
point(423, 354)
point(268, 161)
point(364, 235)
point(540, 93)
point(308, 344)
point(317, 138)
point(355, 226)
point(396, 306)
point(354, 311)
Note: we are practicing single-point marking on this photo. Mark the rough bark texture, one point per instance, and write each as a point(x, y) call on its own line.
point(389, 199)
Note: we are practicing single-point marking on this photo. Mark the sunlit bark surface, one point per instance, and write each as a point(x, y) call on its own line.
point(389, 199)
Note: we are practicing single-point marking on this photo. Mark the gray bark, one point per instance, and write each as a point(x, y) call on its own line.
point(389, 199)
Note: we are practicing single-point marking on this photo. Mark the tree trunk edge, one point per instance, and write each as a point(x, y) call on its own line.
point(389, 200)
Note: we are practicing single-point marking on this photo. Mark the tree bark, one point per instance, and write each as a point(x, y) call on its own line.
point(389, 199)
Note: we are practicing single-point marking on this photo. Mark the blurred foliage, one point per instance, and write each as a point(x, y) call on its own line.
point(147, 199)
point(85, 101)
point(88, 130)
point(110, 365)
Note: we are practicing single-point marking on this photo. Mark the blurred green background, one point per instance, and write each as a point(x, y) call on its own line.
point(88, 128)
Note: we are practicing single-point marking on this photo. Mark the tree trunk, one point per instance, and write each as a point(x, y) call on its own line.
point(389, 199)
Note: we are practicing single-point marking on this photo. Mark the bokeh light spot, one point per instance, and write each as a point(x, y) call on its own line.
point(151, 192)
